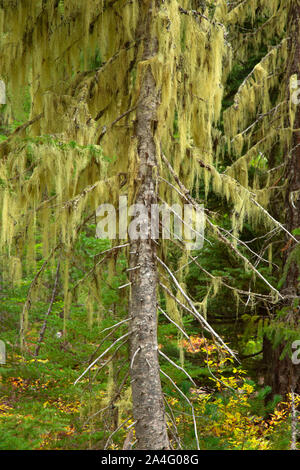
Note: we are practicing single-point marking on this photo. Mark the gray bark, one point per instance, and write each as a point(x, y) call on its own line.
point(147, 397)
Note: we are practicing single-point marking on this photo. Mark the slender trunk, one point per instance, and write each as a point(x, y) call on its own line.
point(282, 375)
point(147, 397)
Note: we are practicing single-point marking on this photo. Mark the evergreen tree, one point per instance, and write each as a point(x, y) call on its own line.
point(125, 101)
point(262, 127)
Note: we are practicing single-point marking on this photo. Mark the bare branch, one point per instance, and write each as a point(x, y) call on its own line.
point(173, 421)
point(113, 327)
point(216, 229)
point(109, 250)
point(240, 255)
point(111, 357)
point(115, 431)
point(116, 324)
point(133, 357)
point(274, 220)
point(195, 311)
point(177, 326)
point(101, 355)
point(189, 402)
point(27, 303)
point(177, 367)
point(42, 333)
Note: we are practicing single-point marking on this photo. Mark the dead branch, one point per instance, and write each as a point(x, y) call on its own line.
point(43, 329)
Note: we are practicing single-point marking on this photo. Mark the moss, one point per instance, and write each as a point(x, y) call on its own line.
point(92, 107)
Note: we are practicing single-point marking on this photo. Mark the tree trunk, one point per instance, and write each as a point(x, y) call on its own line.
point(147, 397)
point(282, 375)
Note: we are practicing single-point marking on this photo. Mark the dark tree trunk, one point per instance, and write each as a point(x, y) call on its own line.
point(281, 374)
point(147, 397)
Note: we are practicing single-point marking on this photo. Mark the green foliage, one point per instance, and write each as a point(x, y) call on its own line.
point(40, 407)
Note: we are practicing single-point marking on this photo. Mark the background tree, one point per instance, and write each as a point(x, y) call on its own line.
point(262, 128)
